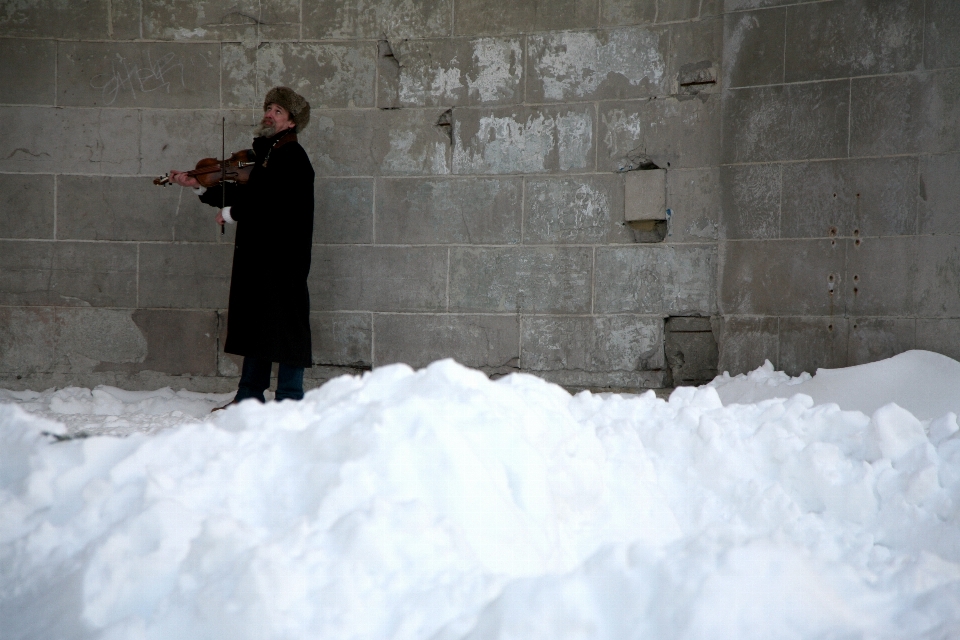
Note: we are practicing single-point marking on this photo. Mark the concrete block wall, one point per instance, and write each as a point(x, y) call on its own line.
point(841, 158)
point(470, 200)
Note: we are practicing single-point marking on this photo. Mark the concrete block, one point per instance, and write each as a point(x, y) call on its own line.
point(883, 276)
point(457, 72)
point(329, 76)
point(78, 19)
point(853, 38)
point(663, 280)
point(49, 140)
point(369, 278)
point(28, 71)
point(343, 211)
point(342, 339)
point(941, 335)
point(626, 12)
point(221, 19)
point(675, 10)
point(939, 205)
point(28, 339)
point(238, 77)
point(124, 340)
point(751, 201)
point(793, 122)
point(521, 279)
point(102, 74)
point(178, 138)
point(782, 277)
point(937, 283)
point(481, 17)
point(581, 210)
point(185, 276)
point(597, 65)
point(26, 206)
point(395, 19)
point(873, 339)
point(388, 77)
point(941, 46)
point(910, 113)
point(693, 196)
point(490, 343)
point(524, 139)
point(740, 5)
point(194, 221)
point(113, 208)
point(592, 343)
point(695, 55)
point(382, 142)
point(673, 133)
point(690, 349)
point(808, 344)
point(753, 48)
point(449, 210)
point(605, 381)
point(746, 341)
point(68, 274)
point(645, 195)
point(876, 197)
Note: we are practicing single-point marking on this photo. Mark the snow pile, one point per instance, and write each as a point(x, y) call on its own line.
point(438, 504)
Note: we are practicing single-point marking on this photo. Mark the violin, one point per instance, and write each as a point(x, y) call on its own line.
point(211, 172)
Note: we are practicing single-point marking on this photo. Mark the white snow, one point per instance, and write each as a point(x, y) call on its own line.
point(440, 505)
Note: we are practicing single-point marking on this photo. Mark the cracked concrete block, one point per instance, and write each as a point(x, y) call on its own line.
point(449, 210)
point(185, 276)
point(388, 77)
point(746, 341)
point(368, 19)
point(28, 339)
point(597, 65)
point(882, 276)
point(939, 204)
point(68, 274)
point(808, 344)
point(374, 278)
point(26, 206)
point(106, 74)
point(521, 279)
point(783, 277)
point(342, 339)
point(77, 19)
point(523, 139)
point(50, 140)
point(457, 72)
point(853, 38)
point(627, 12)
point(382, 142)
point(909, 113)
point(221, 20)
point(624, 343)
point(751, 201)
point(753, 48)
point(937, 282)
point(673, 133)
point(941, 45)
point(482, 341)
point(941, 335)
point(329, 76)
point(343, 211)
point(695, 56)
point(115, 208)
point(690, 349)
point(793, 122)
point(28, 71)
point(482, 17)
point(873, 339)
point(663, 279)
point(577, 210)
point(875, 197)
point(178, 138)
point(693, 196)
point(740, 5)
point(645, 195)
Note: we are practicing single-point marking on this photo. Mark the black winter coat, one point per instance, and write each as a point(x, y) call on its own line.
point(269, 314)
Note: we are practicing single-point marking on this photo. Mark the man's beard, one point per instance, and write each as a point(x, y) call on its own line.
point(264, 130)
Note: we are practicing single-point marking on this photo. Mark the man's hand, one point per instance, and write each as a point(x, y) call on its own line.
point(220, 219)
point(181, 178)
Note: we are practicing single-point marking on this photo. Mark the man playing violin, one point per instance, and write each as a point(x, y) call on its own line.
point(269, 314)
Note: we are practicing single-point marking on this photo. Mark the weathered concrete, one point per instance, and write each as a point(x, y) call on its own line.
point(345, 19)
point(645, 195)
point(746, 341)
point(27, 71)
point(751, 201)
point(26, 206)
point(220, 19)
point(481, 17)
point(808, 344)
point(491, 343)
point(342, 339)
point(872, 339)
point(939, 204)
point(575, 210)
point(86, 19)
point(184, 276)
point(693, 196)
point(941, 46)
point(753, 48)
point(135, 208)
point(343, 211)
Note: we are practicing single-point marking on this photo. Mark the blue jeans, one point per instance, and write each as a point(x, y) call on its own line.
point(255, 378)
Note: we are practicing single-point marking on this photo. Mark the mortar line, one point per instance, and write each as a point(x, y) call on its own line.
point(593, 283)
point(373, 214)
point(138, 275)
point(56, 71)
point(656, 11)
point(523, 207)
point(923, 49)
point(140, 3)
point(373, 340)
point(55, 181)
point(849, 115)
point(221, 77)
point(453, 18)
point(519, 340)
point(780, 212)
point(786, 21)
point(449, 250)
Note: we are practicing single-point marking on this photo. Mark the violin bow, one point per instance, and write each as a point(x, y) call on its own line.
point(223, 167)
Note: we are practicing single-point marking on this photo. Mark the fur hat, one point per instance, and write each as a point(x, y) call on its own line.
point(293, 102)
